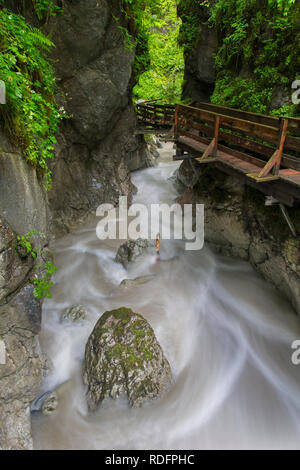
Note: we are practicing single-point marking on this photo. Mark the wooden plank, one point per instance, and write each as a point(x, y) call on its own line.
point(262, 179)
point(294, 125)
point(248, 116)
point(224, 155)
point(293, 143)
point(267, 133)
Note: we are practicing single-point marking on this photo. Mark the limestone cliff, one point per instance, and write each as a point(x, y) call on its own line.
point(199, 41)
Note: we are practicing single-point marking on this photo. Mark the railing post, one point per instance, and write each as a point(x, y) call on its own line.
point(176, 122)
point(281, 141)
point(275, 161)
point(216, 139)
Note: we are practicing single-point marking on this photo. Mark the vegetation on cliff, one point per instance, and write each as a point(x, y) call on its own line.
point(258, 51)
point(163, 78)
point(30, 115)
point(159, 63)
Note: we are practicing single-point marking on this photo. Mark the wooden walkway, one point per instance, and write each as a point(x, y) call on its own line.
point(262, 151)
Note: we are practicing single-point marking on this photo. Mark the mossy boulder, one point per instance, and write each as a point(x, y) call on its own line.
point(123, 357)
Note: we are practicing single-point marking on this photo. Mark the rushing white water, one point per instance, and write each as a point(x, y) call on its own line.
point(226, 332)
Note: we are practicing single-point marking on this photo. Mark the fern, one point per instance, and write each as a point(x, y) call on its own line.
point(31, 114)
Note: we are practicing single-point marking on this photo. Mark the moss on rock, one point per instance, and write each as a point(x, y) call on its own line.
point(123, 357)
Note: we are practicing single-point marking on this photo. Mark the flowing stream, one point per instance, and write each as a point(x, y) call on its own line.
point(226, 333)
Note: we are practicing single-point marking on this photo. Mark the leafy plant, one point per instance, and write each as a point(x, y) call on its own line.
point(45, 8)
point(44, 283)
point(43, 280)
point(31, 114)
point(161, 75)
point(258, 51)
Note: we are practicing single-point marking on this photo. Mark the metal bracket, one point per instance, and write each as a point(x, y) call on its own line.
point(271, 201)
point(288, 220)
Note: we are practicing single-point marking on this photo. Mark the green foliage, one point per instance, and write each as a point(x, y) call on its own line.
point(31, 114)
point(24, 241)
point(164, 64)
point(42, 282)
point(45, 8)
point(139, 15)
point(258, 53)
point(192, 13)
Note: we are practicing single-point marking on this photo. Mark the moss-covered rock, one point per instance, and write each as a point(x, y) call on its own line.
point(123, 357)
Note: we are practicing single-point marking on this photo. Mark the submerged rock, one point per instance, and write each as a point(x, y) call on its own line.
point(75, 313)
point(123, 357)
point(138, 281)
point(47, 403)
point(130, 250)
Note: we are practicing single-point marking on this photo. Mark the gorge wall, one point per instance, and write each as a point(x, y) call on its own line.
point(241, 54)
point(95, 152)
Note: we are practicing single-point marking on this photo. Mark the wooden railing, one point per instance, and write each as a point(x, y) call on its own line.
point(156, 116)
point(263, 151)
point(274, 141)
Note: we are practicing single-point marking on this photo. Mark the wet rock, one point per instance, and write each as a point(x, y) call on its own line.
point(47, 364)
point(50, 404)
point(139, 281)
point(123, 357)
point(21, 376)
point(75, 313)
point(131, 250)
point(46, 403)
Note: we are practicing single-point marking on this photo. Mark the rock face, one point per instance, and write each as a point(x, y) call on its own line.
point(23, 200)
point(200, 75)
point(131, 250)
point(238, 224)
point(97, 147)
point(123, 357)
point(20, 322)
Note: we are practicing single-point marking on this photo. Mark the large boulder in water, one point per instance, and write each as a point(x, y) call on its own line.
point(130, 250)
point(123, 357)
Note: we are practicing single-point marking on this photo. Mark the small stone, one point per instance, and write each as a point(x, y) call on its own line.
point(129, 283)
point(46, 403)
point(50, 404)
point(75, 313)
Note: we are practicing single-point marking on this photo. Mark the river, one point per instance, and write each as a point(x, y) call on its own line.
point(226, 333)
